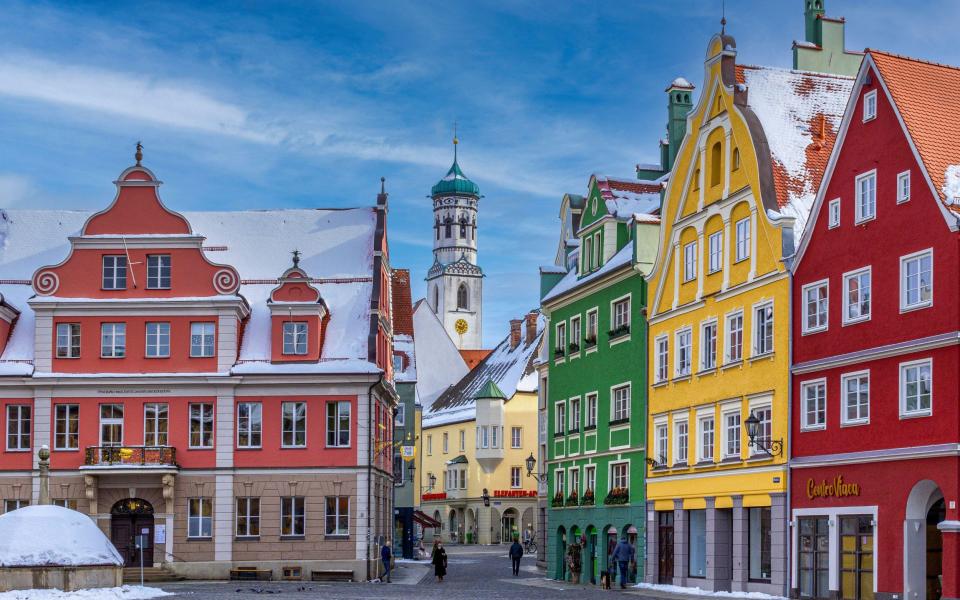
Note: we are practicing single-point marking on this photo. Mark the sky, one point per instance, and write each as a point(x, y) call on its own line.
point(247, 105)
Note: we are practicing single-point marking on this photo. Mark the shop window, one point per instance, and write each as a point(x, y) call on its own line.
point(814, 557)
point(697, 543)
point(856, 557)
point(760, 544)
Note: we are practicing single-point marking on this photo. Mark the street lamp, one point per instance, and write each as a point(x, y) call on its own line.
point(770, 447)
point(486, 497)
point(411, 469)
point(531, 464)
point(433, 481)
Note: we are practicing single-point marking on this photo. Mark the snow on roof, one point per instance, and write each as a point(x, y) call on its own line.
point(573, 280)
point(681, 82)
point(624, 197)
point(53, 535)
point(334, 244)
point(507, 367)
point(403, 344)
point(432, 346)
point(800, 113)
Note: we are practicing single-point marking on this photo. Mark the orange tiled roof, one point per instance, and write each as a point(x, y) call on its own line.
point(925, 95)
point(473, 357)
point(402, 304)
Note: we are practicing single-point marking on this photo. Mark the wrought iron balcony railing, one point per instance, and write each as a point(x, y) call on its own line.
point(131, 456)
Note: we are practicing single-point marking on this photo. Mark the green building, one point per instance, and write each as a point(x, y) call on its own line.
point(823, 48)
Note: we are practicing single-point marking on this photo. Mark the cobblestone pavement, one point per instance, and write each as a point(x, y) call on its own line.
point(474, 573)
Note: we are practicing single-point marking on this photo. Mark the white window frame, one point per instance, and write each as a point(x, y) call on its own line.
point(161, 412)
point(661, 371)
point(715, 244)
point(611, 483)
point(341, 409)
point(560, 417)
point(597, 251)
point(760, 335)
point(615, 413)
point(589, 477)
point(295, 334)
point(725, 414)
point(916, 256)
point(702, 438)
point(805, 318)
point(249, 517)
point(681, 458)
point(903, 187)
point(593, 312)
point(869, 106)
point(860, 216)
point(708, 351)
point(833, 213)
point(860, 420)
point(70, 412)
point(339, 518)
point(22, 436)
point(463, 440)
point(516, 437)
point(446, 442)
point(290, 507)
point(293, 404)
point(206, 331)
point(915, 364)
point(251, 425)
point(662, 442)
point(118, 264)
point(116, 333)
point(575, 331)
point(849, 275)
point(561, 339)
point(590, 412)
point(742, 228)
point(68, 333)
point(574, 414)
point(763, 404)
point(690, 261)
point(806, 424)
point(515, 478)
point(727, 335)
point(199, 520)
point(111, 421)
point(573, 481)
point(204, 424)
point(618, 319)
point(157, 340)
point(683, 361)
point(157, 271)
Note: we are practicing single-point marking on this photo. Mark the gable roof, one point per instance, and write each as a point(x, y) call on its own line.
point(402, 302)
point(626, 197)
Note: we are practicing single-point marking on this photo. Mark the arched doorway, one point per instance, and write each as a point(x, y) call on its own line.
point(471, 526)
point(561, 556)
point(509, 525)
point(129, 518)
point(631, 533)
point(923, 542)
point(438, 530)
point(453, 525)
point(611, 542)
point(590, 555)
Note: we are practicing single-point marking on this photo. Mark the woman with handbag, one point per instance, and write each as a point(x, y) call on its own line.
point(439, 560)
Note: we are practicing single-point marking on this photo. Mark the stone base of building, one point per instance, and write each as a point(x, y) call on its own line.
point(220, 570)
point(61, 578)
point(603, 526)
point(468, 521)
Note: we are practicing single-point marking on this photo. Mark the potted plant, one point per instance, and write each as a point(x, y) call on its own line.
point(557, 501)
point(572, 499)
point(617, 495)
point(588, 498)
point(590, 340)
point(574, 347)
point(574, 563)
point(618, 331)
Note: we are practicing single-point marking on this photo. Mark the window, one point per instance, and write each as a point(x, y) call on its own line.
point(515, 477)
point(621, 403)
point(463, 440)
point(18, 427)
point(591, 415)
point(67, 427)
point(446, 442)
point(763, 329)
point(903, 187)
point(294, 428)
point(561, 338)
point(199, 518)
point(621, 314)
point(201, 425)
point(684, 347)
point(869, 105)
point(398, 470)
point(248, 517)
point(597, 251)
point(515, 437)
point(856, 292)
point(68, 340)
point(574, 334)
point(113, 340)
point(916, 388)
point(158, 340)
point(292, 521)
point(574, 415)
point(834, 213)
point(813, 394)
point(155, 422)
point(114, 272)
point(690, 261)
point(294, 338)
point(561, 421)
point(429, 439)
point(462, 297)
point(620, 475)
point(866, 196)
point(111, 424)
point(681, 452)
point(815, 306)
point(916, 280)
point(736, 159)
point(575, 482)
point(743, 239)
point(485, 436)
point(201, 339)
point(764, 414)
point(587, 251)
point(158, 271)
point(65, 502)
point(760, 543)
point(663, 353)
point(706, 439)
point(463, 479)
point(716, 251)
point(591, 327)
point(589, 477)
point(249, 425)
point(662, 439)
point(716, 161)
point(731, 435)
point(338, 515)
point(493, 436)
point(559, 482)
point(399, 420)
point(338, 426)
point(735, 337)
point(708, 345)
point(12, 505)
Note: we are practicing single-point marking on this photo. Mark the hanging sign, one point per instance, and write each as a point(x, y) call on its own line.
point(835, 488)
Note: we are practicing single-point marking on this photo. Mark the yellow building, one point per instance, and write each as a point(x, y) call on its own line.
point(744, 179)
point(475, 441)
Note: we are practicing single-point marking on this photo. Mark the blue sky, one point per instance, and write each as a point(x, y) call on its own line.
point(265, 105)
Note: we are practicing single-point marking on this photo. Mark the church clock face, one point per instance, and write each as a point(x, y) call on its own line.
point(461, 326)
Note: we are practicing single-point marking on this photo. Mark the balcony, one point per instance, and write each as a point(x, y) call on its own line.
point(131, 458)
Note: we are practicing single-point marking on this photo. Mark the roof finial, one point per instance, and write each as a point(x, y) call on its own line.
point(723, 17)
point(139, 154)
point(383, 181)
point(296, 259)
point(455, 141)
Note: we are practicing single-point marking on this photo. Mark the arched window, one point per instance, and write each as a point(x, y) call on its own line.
point(463, 228)
point(696, 180)
point(715, 162)
point(436, 298)
point(736, 158)
point(447, 227)
point(462, 296)
point(437, 227)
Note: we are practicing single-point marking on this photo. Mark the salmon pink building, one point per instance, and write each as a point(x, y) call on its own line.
point(876, 325)
point(219, 382)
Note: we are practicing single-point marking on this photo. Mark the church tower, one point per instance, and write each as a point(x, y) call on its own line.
point(455, 282)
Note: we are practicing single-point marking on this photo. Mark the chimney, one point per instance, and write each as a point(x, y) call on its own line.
point(515, 332)
point(531, 322)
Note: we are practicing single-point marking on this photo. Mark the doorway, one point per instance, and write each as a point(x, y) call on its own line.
point(128, 519)
point(665, 547)
point(508, 525)
point(936, 514)
point(814, 557)
point(923, 542)
point(856, 557)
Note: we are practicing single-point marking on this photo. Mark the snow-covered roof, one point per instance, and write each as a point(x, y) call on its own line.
point(433, 347)
point(336, 249)
point(508, 368)
point(625, 197)
point(573, 280)
point(53, 535)
point(800, 113)
point(403, 344)
point(680, 82)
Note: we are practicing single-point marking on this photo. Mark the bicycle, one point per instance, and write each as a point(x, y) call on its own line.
point(530, 547)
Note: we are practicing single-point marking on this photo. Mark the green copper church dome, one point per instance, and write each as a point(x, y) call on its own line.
point(455, 183)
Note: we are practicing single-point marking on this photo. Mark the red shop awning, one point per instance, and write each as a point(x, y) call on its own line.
point(425, 520)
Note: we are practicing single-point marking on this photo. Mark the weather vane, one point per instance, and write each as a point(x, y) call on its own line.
point(455, 141)
point(296, 258)
point(139, 154)
point(723, 17)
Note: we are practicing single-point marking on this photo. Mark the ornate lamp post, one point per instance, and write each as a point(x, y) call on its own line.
point(768, 446)
point(531, 464)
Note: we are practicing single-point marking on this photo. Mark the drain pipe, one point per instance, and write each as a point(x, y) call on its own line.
point(371, 441)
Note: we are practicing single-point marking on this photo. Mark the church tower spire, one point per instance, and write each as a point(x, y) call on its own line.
point(455, 281)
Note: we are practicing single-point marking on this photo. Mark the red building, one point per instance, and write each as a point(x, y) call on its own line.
point(876, 325)
point(220, 381)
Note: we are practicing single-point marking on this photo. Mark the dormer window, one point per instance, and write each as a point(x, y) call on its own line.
point(869, 105)
point(158, 271)
point(294, 337)
point(115, 272)
point(597, 250)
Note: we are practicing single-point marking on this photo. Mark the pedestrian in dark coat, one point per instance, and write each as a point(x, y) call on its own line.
point(439, 560)
point(516, 552)
point(386, 553)
point(623, 554)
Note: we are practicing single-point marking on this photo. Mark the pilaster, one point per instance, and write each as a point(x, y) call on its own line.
point(741, 546)
point(680, 544)
point(728, 249)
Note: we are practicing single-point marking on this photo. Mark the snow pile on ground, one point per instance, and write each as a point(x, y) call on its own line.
point(692, 591)
point(951, 185)
point(127, 592)
point(53, 535)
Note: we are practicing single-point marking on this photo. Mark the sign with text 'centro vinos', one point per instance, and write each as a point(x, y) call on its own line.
point(835, 488)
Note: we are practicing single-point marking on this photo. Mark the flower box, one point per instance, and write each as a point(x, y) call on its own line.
point(617, 496)
point(588, 498)
point(557, 501)
point(619, 331)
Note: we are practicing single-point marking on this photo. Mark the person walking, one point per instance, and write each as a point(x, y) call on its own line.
point(623, 555)
point(386, 554)
point(516, 552)
point(439, 560)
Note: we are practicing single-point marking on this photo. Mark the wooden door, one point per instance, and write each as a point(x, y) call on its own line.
point(121, 534)
point(143, 525)
point(665, 547)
